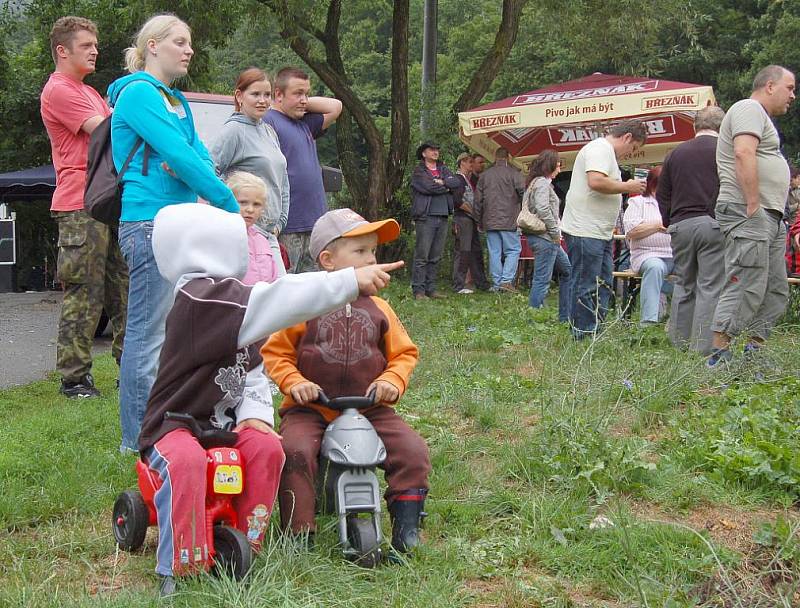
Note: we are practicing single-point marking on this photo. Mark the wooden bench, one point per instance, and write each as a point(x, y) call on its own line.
point(630, 282)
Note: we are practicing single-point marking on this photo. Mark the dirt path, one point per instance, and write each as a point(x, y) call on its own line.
point(28, 331)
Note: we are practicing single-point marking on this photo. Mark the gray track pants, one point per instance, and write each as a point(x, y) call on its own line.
point(755, 292)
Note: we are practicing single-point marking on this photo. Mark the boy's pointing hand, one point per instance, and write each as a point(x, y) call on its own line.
point(371, 279)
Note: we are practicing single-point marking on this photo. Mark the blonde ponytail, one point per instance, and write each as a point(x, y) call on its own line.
point(134, 59)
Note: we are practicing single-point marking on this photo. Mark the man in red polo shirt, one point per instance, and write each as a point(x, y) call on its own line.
point(90, 265)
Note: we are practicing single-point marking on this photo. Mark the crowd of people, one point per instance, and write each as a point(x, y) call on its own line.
point(204, 313)
point(708, 227)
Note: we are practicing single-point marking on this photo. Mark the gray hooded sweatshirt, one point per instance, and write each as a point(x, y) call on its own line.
point(247, 145)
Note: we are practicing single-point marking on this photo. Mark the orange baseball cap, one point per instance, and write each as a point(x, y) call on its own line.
point(347, 223)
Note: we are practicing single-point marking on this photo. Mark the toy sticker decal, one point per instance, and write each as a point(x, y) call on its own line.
point(257, 523)
point(228, 479)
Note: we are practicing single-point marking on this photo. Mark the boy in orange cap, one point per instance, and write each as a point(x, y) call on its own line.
point(351, 351)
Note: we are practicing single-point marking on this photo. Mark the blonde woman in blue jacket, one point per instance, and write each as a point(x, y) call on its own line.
point(170, 166)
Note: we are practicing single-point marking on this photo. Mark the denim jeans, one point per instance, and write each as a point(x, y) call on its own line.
point(653, 271)
point(547, 257)
point(503, 243)
point(431, 237)
point(149, 300)
point(592, 282)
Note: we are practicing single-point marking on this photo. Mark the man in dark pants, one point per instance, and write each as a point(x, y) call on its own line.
point(432, 203)
point(467, 250)
point(687, 193)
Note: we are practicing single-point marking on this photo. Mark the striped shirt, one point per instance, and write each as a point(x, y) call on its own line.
point(644, 209)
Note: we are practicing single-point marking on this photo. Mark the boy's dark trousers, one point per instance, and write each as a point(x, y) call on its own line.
point(407, 463)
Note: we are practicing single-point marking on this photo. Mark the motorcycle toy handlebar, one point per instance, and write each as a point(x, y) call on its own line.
point(343, 403)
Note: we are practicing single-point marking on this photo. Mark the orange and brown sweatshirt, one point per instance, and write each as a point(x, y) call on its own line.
point(343, 352)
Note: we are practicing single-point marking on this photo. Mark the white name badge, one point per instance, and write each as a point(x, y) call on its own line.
point(178, 110)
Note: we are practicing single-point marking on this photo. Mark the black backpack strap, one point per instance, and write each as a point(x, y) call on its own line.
point(128, 160)
point(145, 158)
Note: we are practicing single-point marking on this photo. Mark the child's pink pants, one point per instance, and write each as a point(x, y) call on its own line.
point(180, 461)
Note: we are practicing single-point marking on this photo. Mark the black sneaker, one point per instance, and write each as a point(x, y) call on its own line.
point(84, 389)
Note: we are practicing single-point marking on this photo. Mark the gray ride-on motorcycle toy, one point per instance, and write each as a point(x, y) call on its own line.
point(347, 484)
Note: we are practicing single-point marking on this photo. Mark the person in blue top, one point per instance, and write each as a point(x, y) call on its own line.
point(171, 166)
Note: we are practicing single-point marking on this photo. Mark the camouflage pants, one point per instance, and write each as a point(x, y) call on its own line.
point(94, 276)
point(297, 244)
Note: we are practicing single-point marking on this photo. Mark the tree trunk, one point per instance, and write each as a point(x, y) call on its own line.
point(399, 139)
point(503, 43)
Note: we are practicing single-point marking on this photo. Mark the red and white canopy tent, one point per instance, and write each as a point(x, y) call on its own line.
point(568, 115)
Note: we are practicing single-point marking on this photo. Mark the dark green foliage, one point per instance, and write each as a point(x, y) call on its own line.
point(748, 434)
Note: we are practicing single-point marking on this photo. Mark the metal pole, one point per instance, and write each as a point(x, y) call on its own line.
point(429, 44)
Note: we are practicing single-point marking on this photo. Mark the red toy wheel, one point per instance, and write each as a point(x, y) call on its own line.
point(233, 554)
point(130, 519)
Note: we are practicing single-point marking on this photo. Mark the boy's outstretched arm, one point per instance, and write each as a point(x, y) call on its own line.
point(296, 298)
point(371, 279)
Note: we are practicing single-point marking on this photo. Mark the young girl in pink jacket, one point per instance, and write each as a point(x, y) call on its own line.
point(251, 194)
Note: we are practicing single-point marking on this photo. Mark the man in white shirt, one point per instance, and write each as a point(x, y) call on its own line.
point(593, 202)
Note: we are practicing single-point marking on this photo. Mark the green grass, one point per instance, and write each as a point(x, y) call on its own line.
point(532, 436)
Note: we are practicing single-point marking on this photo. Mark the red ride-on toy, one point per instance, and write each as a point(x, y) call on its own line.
point(134, 511)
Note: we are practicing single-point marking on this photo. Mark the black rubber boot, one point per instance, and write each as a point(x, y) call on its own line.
point(407, 514)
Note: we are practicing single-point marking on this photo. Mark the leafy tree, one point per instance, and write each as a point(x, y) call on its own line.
point(314, 32)
point(25, 60)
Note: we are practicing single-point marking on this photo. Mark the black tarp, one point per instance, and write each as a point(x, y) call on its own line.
point(34, 183)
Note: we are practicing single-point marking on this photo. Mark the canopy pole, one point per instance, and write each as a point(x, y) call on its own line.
point(429, 44)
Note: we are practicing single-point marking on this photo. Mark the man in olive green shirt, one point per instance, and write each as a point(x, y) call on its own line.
point(754, 179)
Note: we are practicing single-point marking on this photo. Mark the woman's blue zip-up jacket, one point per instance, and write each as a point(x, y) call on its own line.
point(146, 109)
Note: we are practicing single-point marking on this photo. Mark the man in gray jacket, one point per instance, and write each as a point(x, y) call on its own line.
point(497, 204)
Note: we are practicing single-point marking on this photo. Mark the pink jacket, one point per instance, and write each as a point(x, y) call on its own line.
point(262, 265)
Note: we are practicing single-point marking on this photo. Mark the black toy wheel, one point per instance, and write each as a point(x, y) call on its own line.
point(363, 540)
point(130, 519)
point(233, 554)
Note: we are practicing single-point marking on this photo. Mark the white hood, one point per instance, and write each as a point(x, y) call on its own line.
point(201, 241)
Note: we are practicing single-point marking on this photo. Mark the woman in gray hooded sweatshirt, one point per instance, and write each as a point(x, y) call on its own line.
point(246, 143)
